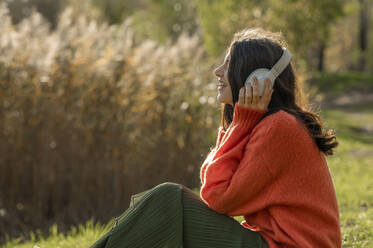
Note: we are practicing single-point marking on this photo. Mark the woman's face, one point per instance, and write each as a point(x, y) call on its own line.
point(224, 88)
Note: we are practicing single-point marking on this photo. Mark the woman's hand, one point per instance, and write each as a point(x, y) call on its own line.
point(253, 100)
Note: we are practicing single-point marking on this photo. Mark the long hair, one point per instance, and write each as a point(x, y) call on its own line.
point(256, 48)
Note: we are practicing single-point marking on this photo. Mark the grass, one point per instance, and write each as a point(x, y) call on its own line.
point(335, 83)
point(351, 168)
point(81, 236)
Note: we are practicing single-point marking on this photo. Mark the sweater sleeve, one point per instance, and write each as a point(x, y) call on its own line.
point(221, 133)
point(239, 175)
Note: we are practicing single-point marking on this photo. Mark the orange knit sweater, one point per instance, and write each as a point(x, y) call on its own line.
point(274, 175)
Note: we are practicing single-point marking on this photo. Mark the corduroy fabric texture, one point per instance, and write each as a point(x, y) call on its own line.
point(173, 216)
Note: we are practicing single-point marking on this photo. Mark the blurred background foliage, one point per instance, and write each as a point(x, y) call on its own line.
point(314, 28)
point(101, 99)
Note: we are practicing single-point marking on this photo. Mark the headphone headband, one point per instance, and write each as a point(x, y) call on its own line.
point(280, 65)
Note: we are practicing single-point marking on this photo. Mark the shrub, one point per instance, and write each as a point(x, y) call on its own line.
point(89, 115)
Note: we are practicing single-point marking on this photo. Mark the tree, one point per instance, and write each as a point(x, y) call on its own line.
point(304, 24)
point(50, 9)
point(363, 33)
point(114, 11)
point(219, 20)
point(163, 19)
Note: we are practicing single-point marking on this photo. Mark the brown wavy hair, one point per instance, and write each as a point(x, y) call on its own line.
point(256, 48)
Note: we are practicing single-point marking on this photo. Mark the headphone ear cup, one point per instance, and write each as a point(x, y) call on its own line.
point(261, 74)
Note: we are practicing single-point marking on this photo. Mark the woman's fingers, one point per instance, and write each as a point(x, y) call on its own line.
point(241, 96)
point(255, 91)
point(267, 92)
point(267, 86)
point(248, 95)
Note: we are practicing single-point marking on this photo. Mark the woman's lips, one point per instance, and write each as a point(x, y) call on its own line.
point(221, 84)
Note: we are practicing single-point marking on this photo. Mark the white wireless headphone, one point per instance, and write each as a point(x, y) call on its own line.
point(263, 73)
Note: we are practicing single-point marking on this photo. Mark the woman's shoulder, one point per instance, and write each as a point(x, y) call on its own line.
point(284, 126)
point(280, 120)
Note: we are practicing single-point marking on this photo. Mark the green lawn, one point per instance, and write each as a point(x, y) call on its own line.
point(81, 236)
point(351, 168)
point(336, 83)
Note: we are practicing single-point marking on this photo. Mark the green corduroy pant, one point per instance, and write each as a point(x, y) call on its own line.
point(171, 215)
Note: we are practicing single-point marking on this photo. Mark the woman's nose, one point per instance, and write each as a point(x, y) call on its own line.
point(218, 72)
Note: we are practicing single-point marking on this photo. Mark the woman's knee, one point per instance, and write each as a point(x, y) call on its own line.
point(174, 189)
point(168, 187)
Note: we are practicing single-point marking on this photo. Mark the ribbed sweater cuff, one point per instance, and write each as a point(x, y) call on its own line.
point(245, 116)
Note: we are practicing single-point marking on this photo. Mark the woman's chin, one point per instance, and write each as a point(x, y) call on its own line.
point(220, 99)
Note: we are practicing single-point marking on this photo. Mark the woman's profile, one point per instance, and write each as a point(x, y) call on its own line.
point(268, 165)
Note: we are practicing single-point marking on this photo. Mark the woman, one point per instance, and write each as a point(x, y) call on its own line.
point(268, 165)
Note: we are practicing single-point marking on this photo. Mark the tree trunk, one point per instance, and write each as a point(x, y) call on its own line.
point(363, 33)
point(321, 57)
